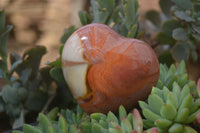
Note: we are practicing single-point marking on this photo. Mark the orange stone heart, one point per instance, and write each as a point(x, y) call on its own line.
point(105, 70)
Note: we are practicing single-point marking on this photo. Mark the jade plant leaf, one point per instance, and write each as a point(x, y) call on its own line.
point(180, 52)
point(183, 16)
point(165, 6)
point(184, 4)
point(169, 26)
point(179, 34)
point(10, 95)
point(154, 17)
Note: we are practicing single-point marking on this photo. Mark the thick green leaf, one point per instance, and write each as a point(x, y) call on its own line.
point(183, 16)
point(67, 33)
point(101, 10)
point(3, 66)
point(3, 41)
point(133, 31)
point(2, 21)
point(57, 63)
point(180, 52)
point(53, 113)
point(84, 17)
point(179, 34)
point(154, 17)
point(169, 26)
point(10, 95)
point(23, 93)
point(13, 110)
point(184, 4)
point(35, 101)
point(30, 129)
point(131, 11)
point(164, 39)
point(44, 123)
point(57, 74)
point(19, 121)
point(165, 6)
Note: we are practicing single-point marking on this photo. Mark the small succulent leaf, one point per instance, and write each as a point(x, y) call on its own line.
point(57, 74)
point(122, 113)
point(67, 33)
point(192, 117)
point(163, 39)
point(184, 92)
point(176, 128)
point(187, 101)
point(149, 115)
point(183, 16)
point(152, 130)
point(143, 105)
point(52, 114)
point(181, 68)
point(15, 131)
point(154, 17)
point(169, 26)
point(165, 6)
point(51, 130)
point(163, 123)
point(171, 71)
point(183, 80)
point(180, 52)
point(184, 4)
point(179, 34)
point(86, 127)
point(2, 21)
point(187, 129)
point(96, 128)
point(57, 63)
point(73, 129)
point(172, 99)
point(182, 115)
point(44, 123)
point(148, 124)
point(137, 121)
point(112, 118)
point(9, 95)
point(126, 125)
point(97, 116)
point(3, 42)
point(165, 93)
point(62, 125)
point(19, 121)
point(168, 109)
point(30, 129)
point(155, 103)
point(157, 92)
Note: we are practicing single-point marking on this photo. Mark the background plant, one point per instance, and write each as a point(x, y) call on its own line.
point(179, 35)
point(29, 89)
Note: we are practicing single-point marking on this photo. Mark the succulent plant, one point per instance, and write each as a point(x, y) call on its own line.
point(80, 122)
point(174, 103)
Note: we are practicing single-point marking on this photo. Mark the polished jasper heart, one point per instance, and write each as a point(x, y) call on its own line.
point(105, 70)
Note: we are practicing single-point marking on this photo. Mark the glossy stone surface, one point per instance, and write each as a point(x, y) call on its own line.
point(105, 70)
